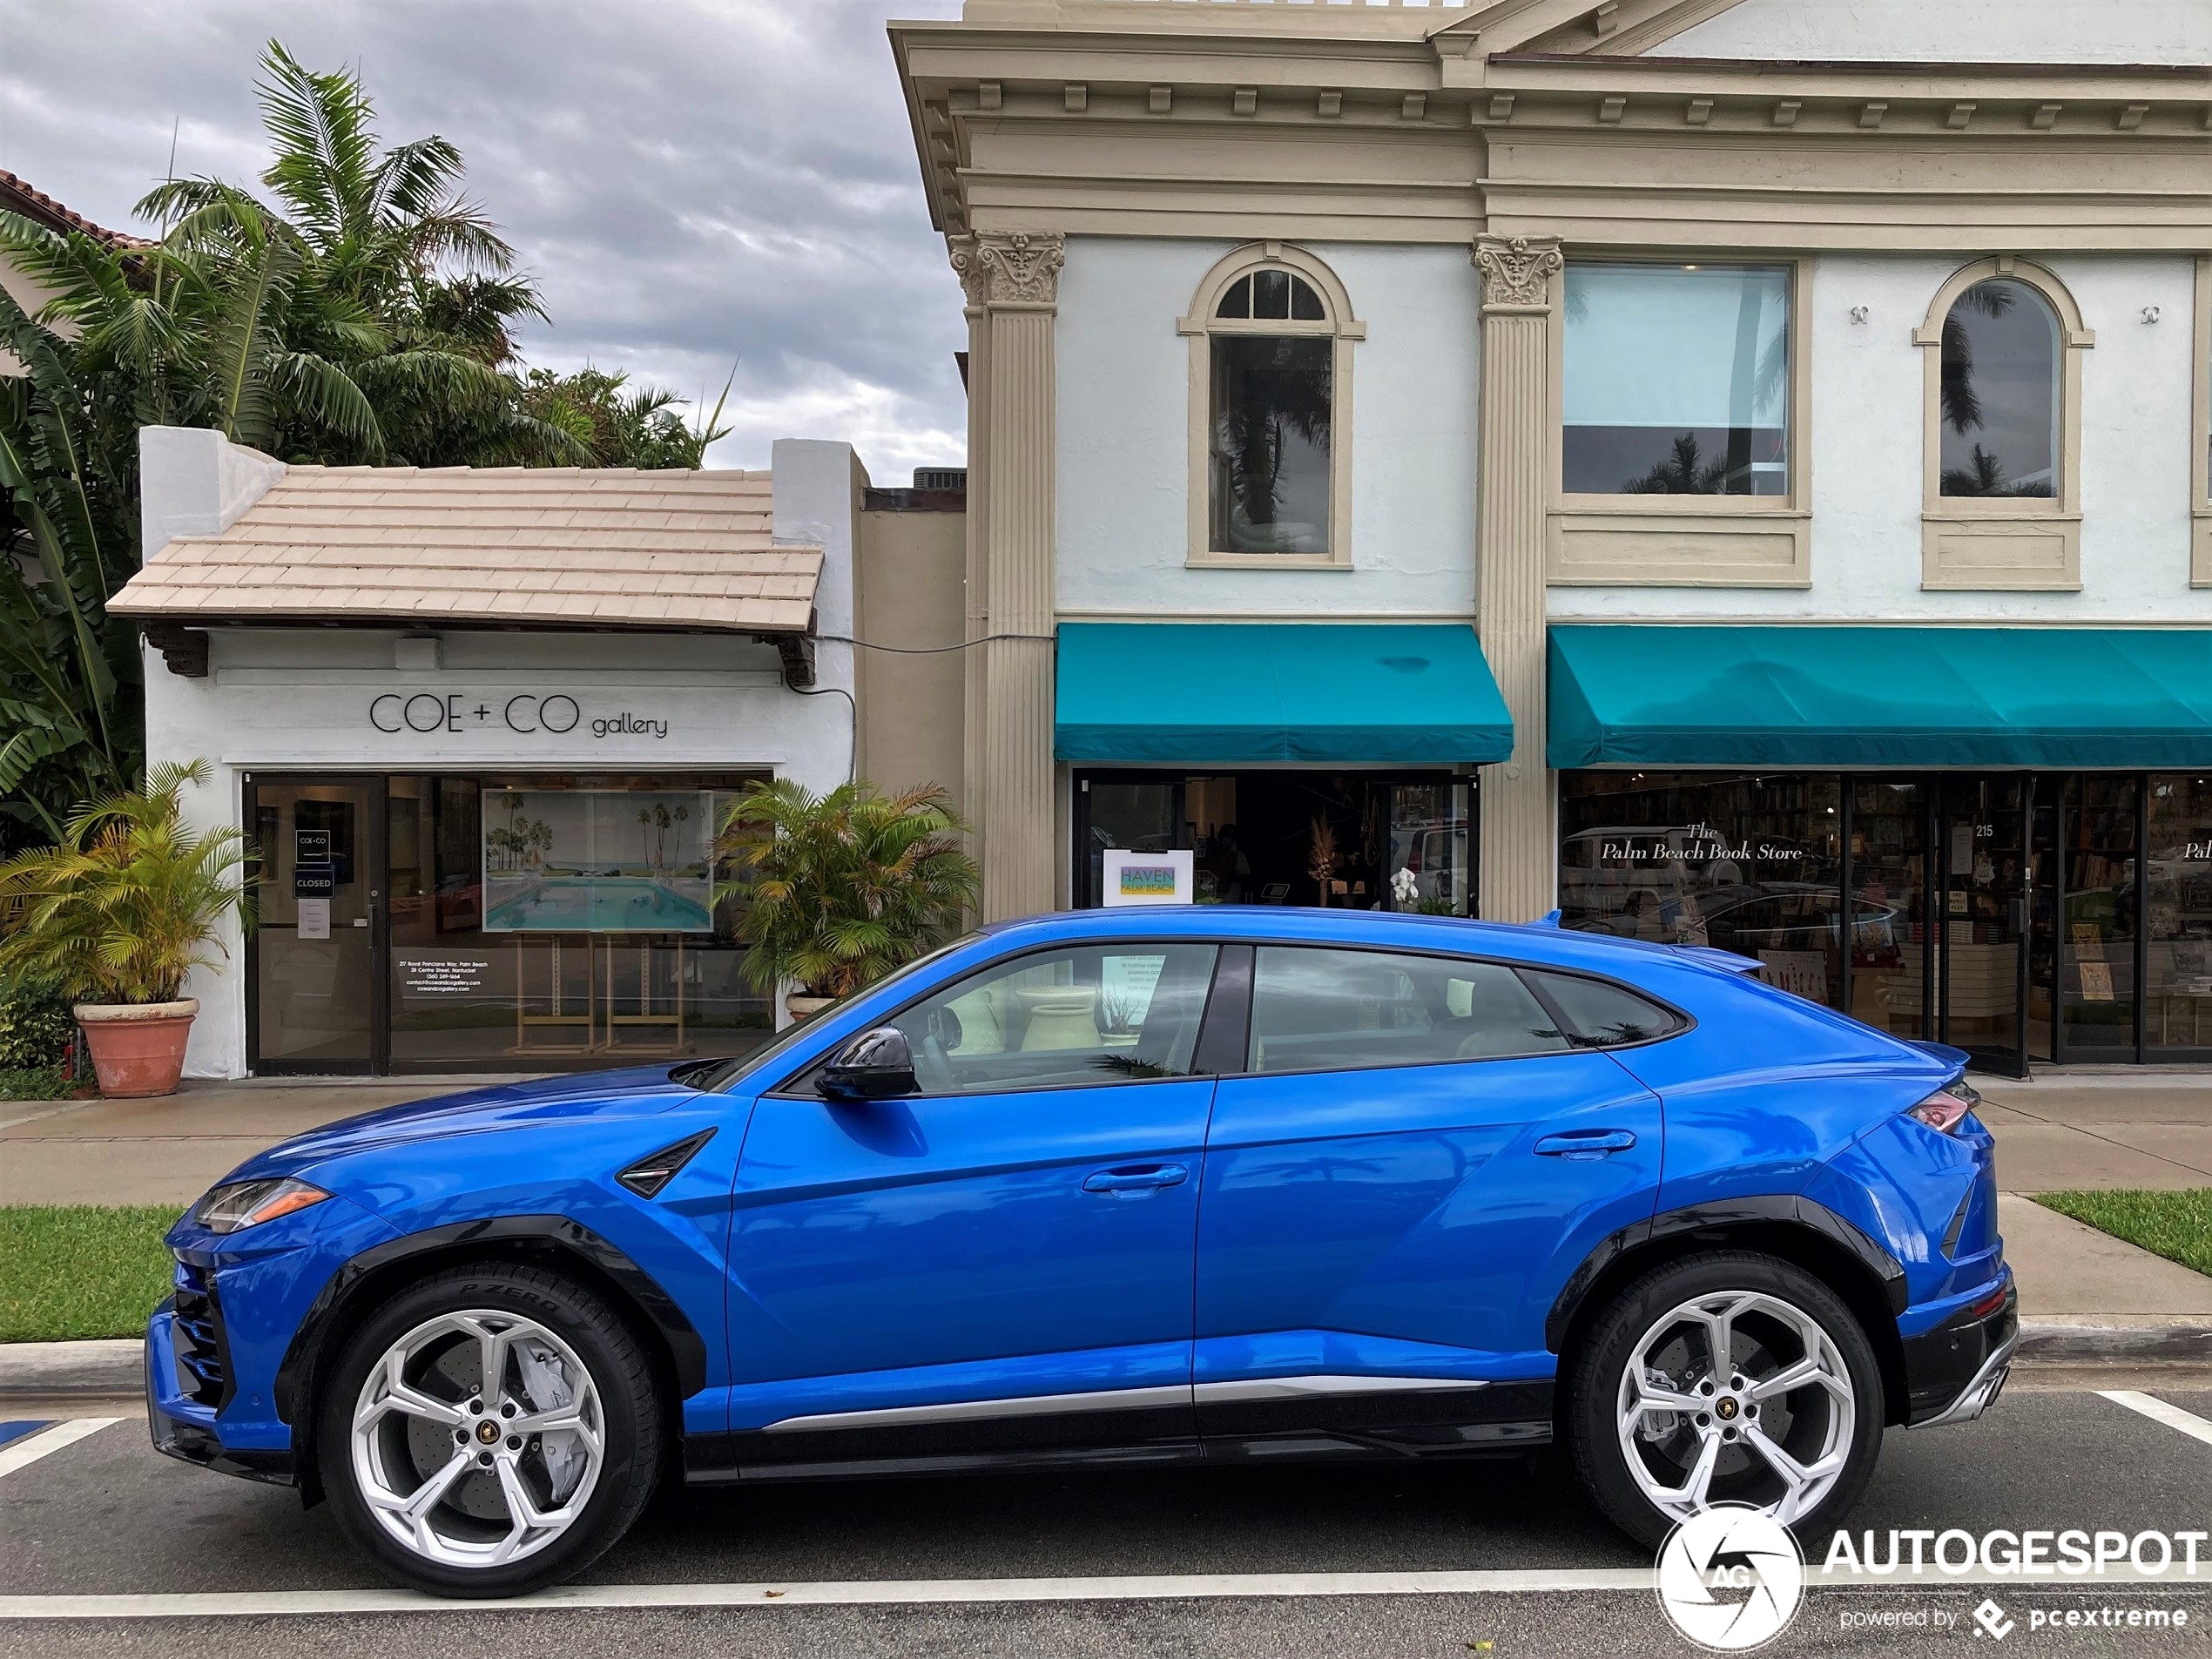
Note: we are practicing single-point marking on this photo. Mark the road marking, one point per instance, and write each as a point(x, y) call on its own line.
point(2159, 1411)
point(943, 1591)
point(31, 1448)
point(858, 1593)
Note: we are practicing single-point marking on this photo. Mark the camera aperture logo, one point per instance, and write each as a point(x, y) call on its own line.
point(1731, 1579)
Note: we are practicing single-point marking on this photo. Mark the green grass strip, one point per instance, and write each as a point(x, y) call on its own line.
point(2177, 1226)
point(72, 1272)
point(33, 1082)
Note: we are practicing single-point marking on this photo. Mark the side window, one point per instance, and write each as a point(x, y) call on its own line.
point(1341, 1010)
point(1062, 1019)
point(1605, 1015)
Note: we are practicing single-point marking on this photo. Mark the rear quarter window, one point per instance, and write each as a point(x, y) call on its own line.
point(1600, 1015)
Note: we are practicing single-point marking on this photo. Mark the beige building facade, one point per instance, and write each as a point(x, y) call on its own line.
point(1805, 408)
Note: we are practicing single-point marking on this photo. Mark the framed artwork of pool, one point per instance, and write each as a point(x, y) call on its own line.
point(598, 860)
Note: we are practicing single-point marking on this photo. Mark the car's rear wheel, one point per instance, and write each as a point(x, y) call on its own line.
point(1726, 1377)
point(489, 1430)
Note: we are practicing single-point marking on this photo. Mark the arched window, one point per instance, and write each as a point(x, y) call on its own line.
point(2004, 341)
point(1270, 374)
point(2001, 393)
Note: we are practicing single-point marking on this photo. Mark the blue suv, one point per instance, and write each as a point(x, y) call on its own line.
point(1118, 1188)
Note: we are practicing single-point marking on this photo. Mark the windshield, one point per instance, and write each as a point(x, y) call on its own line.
point(719, 1077)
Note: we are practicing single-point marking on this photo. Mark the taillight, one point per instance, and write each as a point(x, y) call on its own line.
point(1944, 1110)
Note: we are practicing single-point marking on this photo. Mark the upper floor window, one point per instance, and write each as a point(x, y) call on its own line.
point(1676, 379)
point(2003, 353)
point(1272, 393)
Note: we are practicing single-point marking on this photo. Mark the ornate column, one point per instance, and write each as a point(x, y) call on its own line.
point(1013, 279)
point(976, 604)
point(1520, 849)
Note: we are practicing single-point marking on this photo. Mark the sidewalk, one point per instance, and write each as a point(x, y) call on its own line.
point(172, 1150)
point(2110, 1129)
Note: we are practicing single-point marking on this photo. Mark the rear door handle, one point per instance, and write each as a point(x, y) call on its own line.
point(1583, 1144)
point(1136, 1179)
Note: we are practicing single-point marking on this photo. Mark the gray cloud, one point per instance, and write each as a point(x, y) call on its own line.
point(694, 183)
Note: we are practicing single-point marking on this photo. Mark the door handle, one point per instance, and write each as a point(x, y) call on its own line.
point(1583, 1144)
point(1136, 1179)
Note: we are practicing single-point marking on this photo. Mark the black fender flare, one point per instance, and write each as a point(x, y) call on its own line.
point(1780, 1210)
point(555, 1237)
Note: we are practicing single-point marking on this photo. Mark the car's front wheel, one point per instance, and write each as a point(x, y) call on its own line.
point(1726, 1377)
point(491, 1429)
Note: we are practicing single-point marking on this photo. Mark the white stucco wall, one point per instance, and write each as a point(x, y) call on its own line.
point(2031, 32)
point(1866, 436)
point(301, 700)
point(1123, 421)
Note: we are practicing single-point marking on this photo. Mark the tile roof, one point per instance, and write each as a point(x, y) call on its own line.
point(460, 546)
point(18, 196)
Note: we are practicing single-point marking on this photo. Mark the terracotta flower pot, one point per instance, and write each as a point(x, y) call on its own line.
point(138, 1047)
point(805, 1008)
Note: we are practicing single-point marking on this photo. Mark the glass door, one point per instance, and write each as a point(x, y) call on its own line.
point(316, 996)
point(1981, 916)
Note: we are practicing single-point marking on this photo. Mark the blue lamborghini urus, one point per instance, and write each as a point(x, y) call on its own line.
point(1118, 1188)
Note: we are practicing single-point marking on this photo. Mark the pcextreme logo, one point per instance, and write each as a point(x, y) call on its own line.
point(1731, 1579)
point(1992, 1619)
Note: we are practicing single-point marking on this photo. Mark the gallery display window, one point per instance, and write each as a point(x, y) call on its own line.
point(451, 922)
point(1401, 841)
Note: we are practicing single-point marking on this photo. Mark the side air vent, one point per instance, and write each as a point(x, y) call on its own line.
point(654, 1171)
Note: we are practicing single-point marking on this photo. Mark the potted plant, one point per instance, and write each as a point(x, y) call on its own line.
point(839, 889)
point(117, 915)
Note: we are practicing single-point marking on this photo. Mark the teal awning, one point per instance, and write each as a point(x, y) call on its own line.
point(1214, 694)
point(1756, 696)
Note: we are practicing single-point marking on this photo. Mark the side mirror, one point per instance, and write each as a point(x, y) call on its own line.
point(876, 1065)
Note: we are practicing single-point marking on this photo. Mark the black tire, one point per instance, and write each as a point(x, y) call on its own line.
point(1596, 1367)
point(621, 1370)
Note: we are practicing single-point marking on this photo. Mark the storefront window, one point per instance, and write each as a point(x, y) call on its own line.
point(2097, 944)
point(1752, 864)
point(1678, 379)
point(1890, 879)
point(1343, 840)
point(2178, 915)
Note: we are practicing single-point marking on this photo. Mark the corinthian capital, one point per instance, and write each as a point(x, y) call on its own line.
point(1010, 267)
point(1517, 273)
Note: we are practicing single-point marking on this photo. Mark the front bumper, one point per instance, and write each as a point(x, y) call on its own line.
point(184, 1427)
point(1953, 1373)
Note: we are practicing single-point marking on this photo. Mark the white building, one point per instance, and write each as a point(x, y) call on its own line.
point(481, 725)
point(1804, 404)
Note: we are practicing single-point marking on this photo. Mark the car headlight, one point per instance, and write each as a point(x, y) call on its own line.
point(1947, 1108)
point(248, 1204)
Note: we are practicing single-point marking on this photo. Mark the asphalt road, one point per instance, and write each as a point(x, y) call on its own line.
point(106, 1516)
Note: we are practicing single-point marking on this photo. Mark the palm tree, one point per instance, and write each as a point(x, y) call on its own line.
point(1685, 472)
point(839, 889)
point(1284, 393)
point(1961, 404)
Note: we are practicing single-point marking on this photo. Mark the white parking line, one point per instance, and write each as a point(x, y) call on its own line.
point(855, 1592)
point(2159, 1411)
point(31, 1448)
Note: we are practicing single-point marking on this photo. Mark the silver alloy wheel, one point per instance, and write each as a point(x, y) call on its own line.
point(477, 1439)
point(1736, 1396)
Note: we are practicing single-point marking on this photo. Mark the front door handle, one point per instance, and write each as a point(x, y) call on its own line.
point(1136, 1179)
point(1583, 1144)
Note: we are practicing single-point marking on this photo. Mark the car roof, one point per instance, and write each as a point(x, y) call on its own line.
point(1537, 943)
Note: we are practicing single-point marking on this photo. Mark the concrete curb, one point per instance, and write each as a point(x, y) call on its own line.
point(109, 1369)
point(2106, 1339)
point(104, 1369)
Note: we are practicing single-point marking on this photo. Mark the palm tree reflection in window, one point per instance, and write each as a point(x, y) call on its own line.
point(1272, 406)
point(1998, 393)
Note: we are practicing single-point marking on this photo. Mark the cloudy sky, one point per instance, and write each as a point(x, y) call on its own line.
point(694, 183)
